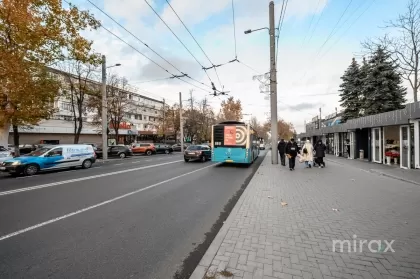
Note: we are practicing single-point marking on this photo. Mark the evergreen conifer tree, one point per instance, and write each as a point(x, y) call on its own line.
point(382, 87)
point(364, 73)
point(350, 91)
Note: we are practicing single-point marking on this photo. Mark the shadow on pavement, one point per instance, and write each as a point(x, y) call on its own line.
point(194, 258)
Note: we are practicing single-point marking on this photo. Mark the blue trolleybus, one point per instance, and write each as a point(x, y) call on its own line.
point(234, 142)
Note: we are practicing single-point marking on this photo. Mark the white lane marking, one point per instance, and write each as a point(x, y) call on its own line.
point(118, 164)
point(83, 178)
point(100, 204)
point(147, 160)
point(136, 162)
point(20, 177)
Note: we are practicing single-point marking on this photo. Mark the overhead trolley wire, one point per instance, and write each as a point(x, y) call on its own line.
point(280, 26)
point(170, 29)
point(234, 28)
point(312, 19)
point(137, 38)
point(205, 54)
point(151, 60)
point(350, 26)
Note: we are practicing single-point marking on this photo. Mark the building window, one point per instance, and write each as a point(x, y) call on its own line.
point(138, 117)
point(66, 106)
point(145, 117)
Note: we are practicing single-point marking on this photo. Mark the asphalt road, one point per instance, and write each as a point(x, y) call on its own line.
point(134, 218)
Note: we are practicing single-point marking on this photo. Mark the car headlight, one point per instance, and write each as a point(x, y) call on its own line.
point(16, 163)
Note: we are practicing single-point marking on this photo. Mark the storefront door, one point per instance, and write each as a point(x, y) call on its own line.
point(352, 144)
point(336, 144)
point(417, 143)
point(405, 147)
point(377, 145)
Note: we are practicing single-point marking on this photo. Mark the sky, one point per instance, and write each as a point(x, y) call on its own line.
point(317, 41)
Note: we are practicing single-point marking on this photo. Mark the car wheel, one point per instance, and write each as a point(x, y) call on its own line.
point(31, 169)
point(87, 164)
point(149, 152)
point(186, 160)
point(122, 155)
point(166, 151)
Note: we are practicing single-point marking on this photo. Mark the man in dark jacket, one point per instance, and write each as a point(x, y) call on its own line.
point(320, 153)
point(292, 150)
point(282, 149)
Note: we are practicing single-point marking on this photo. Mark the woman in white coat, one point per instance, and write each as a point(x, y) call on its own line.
point(307, 153)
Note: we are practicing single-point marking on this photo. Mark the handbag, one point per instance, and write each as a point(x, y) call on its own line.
point(305, 151)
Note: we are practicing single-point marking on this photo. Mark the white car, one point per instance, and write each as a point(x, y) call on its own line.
point(5, 154)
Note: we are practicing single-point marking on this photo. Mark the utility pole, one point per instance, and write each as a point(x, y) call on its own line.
point(163, 124)
point(104, 112)
point(193, 122)
point(273, 86)
point(181, 128)
point(319, 118)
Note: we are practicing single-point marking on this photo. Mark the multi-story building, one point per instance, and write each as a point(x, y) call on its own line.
point(140, 122)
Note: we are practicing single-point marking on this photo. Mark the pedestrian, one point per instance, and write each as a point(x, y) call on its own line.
point(282, 150)
point(307, 154)
point(320, 153)
point(292, 150)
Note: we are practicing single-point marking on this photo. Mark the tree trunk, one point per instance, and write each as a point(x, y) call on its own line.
point(16, 140)
point(116, 135)
point(4, 135)
point(78, 130)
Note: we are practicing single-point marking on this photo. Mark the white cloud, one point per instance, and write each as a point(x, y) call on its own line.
point(321, 77)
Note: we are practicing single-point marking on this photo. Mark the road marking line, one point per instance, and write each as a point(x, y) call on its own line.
point(118, 164)
point(20, 177)
point(100, 204)
point(83, 178)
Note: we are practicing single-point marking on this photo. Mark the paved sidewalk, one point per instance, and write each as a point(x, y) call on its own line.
point(263, 239)
point(394, 171)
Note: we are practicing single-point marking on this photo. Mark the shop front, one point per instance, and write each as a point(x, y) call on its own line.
point(416, 134)
point(391, 136)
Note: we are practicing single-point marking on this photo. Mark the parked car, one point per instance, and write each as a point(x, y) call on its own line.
point(5, 154)
point(50, 158)
point(162, 148)
point(197, 152)
point(144, 148)
point(177, 147)
point(121, 151)
point(94, 145)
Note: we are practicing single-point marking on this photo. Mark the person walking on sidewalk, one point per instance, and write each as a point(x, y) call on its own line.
point(320, 153)
point(308, 153)
point(292, 150)
point(282, 149)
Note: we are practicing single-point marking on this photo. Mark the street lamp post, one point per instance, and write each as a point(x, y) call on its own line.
point(104, 109)
point(273, 83)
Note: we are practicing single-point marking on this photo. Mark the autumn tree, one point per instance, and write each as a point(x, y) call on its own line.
point(34, 34)
point(169, 120)
point(119, 102)
point(230, 110)
point(77, 88)
point(40, 89)
point(285, 129)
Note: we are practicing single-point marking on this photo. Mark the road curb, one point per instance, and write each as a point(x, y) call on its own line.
point(378, 172)
point(211, 252)
point(394, 176)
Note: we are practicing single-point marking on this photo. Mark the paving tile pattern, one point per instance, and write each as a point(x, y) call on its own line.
point(263, 239)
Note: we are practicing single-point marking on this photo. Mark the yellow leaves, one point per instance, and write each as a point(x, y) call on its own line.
point(231, 110)
point(34, 34)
